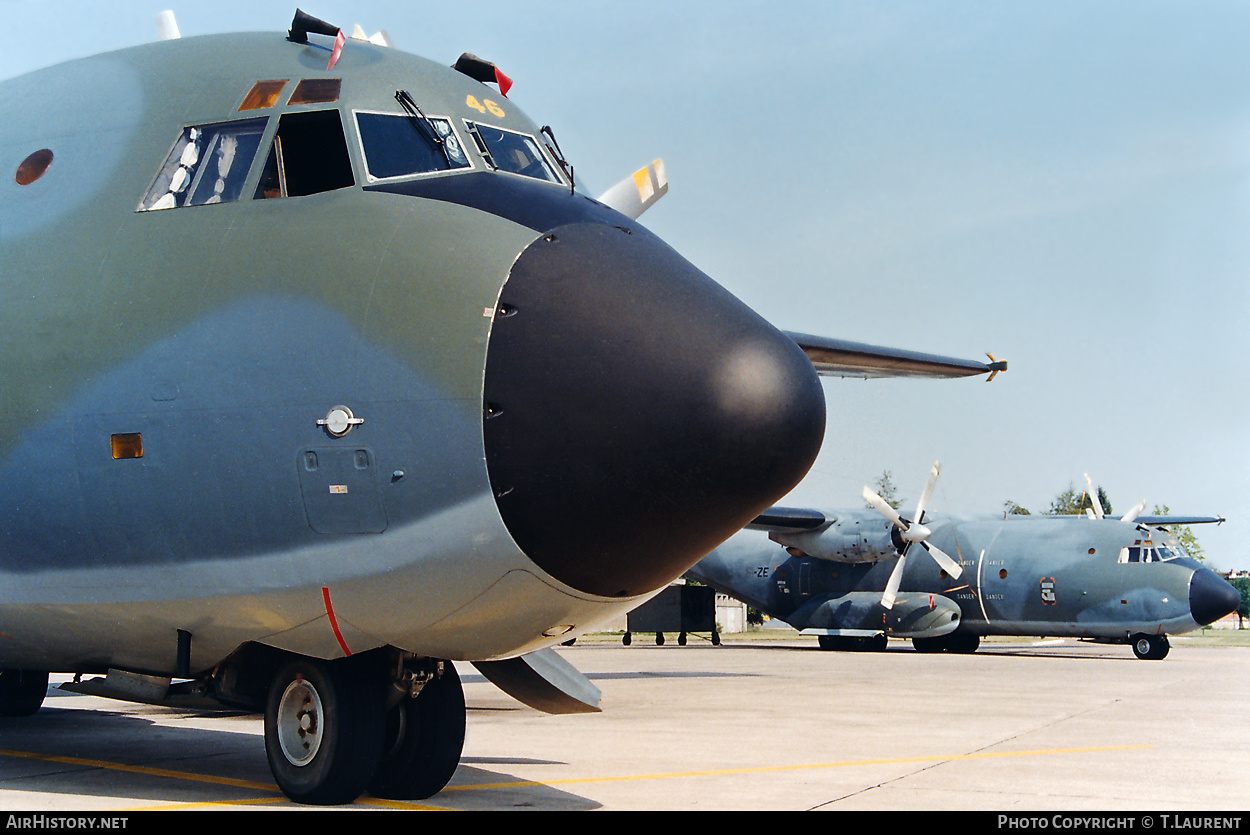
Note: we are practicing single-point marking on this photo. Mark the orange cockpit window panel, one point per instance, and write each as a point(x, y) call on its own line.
point(263, 94)
point(316, 91)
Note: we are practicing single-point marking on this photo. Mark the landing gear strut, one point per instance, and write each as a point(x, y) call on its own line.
point(425, 736)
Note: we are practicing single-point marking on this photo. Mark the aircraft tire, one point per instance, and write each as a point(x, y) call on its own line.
point(928, 644)
point(22, 691)
point(964, 643)
point(324, 727)
point(427, 738)
point(1151, 647)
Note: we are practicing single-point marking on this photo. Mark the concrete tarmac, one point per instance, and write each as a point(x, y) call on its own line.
point(753, 724)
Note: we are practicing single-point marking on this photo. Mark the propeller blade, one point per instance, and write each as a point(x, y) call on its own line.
point(943, 559)
point(883, 507)
point(891, 588)
point(928, 492)
point(639, 191)
point(1093, 497)
point(1135, 512)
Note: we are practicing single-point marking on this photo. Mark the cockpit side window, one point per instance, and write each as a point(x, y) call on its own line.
point(208, 164)
point(395, 146)
point(506, 150)
point(308, 156)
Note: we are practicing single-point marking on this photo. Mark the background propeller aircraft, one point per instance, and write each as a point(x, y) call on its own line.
point(320, 372)
point(854, 577)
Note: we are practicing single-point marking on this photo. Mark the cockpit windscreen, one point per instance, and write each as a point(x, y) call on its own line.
point(395, 147)
point(516, 153)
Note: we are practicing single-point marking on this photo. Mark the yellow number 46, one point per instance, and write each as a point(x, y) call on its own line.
point(484, 106)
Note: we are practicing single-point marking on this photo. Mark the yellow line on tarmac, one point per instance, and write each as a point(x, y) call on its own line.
point(143, 769)
point(809, 767)
point(250, 785)
point(269, 787)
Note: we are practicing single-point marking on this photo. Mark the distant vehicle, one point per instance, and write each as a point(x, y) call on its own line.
point(854, 577)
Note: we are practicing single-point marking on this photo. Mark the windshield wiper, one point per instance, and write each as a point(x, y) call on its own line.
point(422, 123)
point(554, 147)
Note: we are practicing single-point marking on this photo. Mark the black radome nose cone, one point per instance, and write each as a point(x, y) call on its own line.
point(1211, 597)
point(637, 414)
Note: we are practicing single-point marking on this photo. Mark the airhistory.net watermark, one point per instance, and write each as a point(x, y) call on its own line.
point(38, 821)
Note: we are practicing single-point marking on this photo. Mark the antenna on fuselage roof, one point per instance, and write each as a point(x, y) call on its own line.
point(303, 23)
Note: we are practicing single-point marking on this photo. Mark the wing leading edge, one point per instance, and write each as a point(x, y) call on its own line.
point(841, 358)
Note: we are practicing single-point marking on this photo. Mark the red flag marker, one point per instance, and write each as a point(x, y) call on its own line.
point(505, 83)
point(339, 40)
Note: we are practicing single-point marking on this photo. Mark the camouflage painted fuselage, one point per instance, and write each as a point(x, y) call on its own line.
point(218, 335)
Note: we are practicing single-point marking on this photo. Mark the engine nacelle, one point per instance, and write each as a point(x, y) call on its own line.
point(850, 538)
point(915, 615)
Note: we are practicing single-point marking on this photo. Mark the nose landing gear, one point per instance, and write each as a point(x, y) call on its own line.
point(334, 729)
point(1151, 647)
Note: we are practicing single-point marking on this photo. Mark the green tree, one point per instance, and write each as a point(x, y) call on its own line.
point(885, 489)
point(1242, 584)
point(1070, 502)
point(1010, 508)
point(1184, 535)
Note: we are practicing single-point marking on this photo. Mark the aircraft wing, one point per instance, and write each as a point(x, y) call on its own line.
point(1179, 520)
point(840, 358)
point(788, 520)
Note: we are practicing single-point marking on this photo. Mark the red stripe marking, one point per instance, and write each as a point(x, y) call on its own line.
point(334, 623)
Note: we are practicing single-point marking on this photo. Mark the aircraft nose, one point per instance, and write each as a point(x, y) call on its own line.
point(1211, 597)
point(637, 414)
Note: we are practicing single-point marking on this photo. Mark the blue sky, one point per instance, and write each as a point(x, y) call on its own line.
point(1063, 184)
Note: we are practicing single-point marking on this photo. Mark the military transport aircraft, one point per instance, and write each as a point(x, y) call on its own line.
point(320, 372)
point(855, 577)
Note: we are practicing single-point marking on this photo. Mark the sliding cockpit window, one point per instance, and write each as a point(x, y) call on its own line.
point(208, 164)
point(397, 145)
point(517, 153)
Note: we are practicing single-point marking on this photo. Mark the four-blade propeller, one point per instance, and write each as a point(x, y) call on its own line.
point(913, 533)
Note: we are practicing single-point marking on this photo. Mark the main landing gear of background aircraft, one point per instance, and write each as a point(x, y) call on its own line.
point(958, 642)
point(334, 729)
point(1151, 647)
point(853, 643)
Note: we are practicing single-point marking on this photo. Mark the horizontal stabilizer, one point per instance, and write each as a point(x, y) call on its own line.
point(544, 681)
point(840, 358)
point(1179, 520)
point(782, 519)
point(639, 191)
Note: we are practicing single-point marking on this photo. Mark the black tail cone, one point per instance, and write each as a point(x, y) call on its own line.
point(637, 414)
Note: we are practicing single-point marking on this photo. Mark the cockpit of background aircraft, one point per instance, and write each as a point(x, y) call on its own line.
point(1148, 551)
